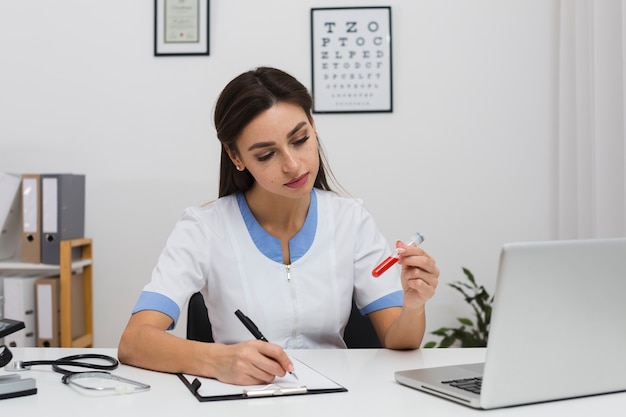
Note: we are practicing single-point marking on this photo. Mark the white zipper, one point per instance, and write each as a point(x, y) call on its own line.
point(296, 319)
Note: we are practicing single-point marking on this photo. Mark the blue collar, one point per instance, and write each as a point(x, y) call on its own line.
point(270, 246)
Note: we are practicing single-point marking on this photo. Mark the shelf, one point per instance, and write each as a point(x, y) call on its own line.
point(9, 267)
point(65, 270)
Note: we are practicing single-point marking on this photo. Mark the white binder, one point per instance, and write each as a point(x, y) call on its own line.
point(10, 209)
point(19, 304)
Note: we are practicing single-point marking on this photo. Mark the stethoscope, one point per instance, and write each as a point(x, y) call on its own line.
point(99, 371)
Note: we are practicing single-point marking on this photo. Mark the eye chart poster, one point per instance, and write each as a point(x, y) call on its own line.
point(351, 59)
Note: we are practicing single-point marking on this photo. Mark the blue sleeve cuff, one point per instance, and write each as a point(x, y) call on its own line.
point(390, 300)
point(158, 302)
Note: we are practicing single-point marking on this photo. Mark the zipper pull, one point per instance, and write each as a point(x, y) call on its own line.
point(288, 267)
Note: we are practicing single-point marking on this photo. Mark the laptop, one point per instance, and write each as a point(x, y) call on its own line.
point(558, 329)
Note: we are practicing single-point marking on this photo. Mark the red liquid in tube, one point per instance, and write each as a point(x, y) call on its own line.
point(384, 265)
point(415, 240)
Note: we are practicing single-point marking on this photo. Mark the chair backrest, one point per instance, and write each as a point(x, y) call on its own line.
point(359, 331)
point(198, 324)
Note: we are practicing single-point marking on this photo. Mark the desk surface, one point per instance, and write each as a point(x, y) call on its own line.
point(367, 373)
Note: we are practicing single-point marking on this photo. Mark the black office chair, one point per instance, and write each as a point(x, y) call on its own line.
point(198, 324)
point(359, 331)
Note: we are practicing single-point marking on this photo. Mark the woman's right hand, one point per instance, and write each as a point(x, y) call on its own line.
point(250, 363)
point(145, 343)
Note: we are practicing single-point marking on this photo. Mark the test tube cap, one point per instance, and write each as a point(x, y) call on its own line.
point(417, 238)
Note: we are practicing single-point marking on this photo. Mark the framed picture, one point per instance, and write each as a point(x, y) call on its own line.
point(181, 27)
point(351, 60)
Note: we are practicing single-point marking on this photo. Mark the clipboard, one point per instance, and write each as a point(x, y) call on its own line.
point(309, 382)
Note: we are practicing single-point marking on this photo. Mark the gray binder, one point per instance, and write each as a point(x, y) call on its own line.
point(62, 213)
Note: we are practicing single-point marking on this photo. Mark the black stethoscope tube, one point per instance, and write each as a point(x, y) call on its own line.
point(76, 360)
point(72, 377)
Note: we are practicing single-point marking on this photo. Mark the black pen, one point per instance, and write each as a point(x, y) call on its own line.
point(254, 330)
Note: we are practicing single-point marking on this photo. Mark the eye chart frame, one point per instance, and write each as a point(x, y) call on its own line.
point(351, 59)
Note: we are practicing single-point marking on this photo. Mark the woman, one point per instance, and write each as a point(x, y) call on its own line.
point(279, 245)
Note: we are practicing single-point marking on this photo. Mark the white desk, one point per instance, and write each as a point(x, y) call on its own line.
point(367, 373)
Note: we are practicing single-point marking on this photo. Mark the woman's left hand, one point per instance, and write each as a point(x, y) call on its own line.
point(420, 275)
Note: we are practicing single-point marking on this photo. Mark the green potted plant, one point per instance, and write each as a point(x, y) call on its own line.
point(470, 333)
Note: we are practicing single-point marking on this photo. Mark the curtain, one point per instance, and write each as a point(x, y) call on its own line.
point(590, 149)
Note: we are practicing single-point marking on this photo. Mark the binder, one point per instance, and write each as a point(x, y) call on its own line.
point(309, 382)
point(48, 312)
point(10, 208)
point(48, 309)
point(62, 213)
point(19, 304)
point(31, 218)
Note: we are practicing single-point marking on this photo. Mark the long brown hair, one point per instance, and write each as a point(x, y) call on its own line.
point(243, 99)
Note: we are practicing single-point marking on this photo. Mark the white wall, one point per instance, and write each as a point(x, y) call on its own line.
point(464, 157)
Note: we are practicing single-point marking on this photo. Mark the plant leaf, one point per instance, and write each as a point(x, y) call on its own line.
point(470, 276)
point(447, 341)
point(465, 321)
point(441, 332)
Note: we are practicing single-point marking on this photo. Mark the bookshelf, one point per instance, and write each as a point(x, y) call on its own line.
point(65, 269)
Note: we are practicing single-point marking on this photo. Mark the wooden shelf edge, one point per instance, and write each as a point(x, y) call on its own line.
point(83, 341)
point(13, 265)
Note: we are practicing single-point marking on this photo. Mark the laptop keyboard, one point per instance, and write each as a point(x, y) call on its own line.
point(468, 384)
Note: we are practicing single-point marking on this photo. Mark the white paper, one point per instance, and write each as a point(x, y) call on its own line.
point(307, 377)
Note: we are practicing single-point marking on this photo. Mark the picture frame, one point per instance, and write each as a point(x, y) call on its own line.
point(181, 27)
point(351, 60)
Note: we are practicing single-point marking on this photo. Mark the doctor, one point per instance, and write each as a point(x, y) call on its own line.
point(280, 245)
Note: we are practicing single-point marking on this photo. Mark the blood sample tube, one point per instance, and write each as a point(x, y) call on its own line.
point(414, 240)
